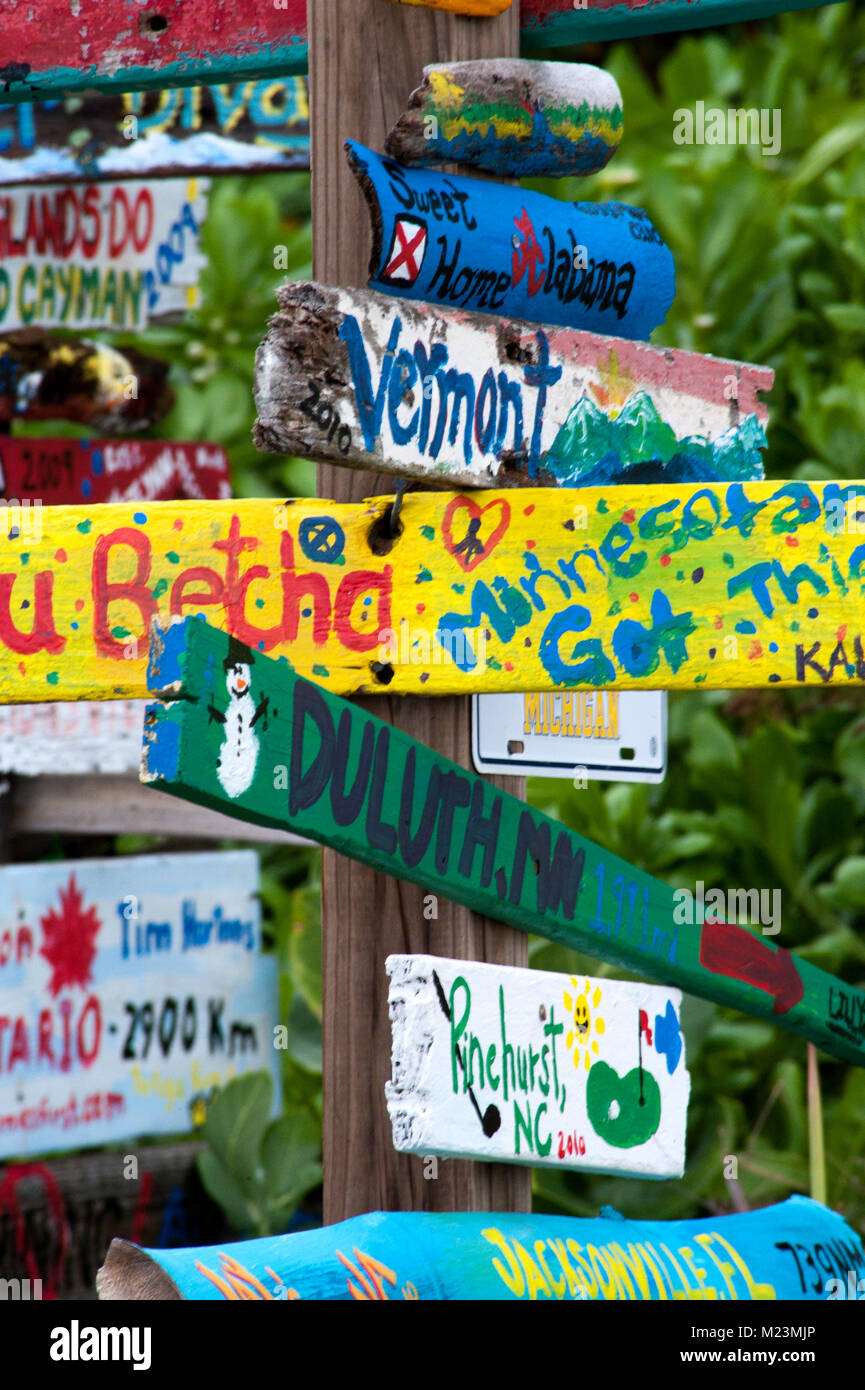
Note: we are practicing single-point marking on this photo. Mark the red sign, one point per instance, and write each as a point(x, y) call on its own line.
point(74, 471)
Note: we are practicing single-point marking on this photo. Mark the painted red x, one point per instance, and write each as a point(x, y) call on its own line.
point(406, 253)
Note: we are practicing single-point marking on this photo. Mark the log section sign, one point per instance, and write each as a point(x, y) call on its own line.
point(458, 398)
point(658, 587)
point(58, 471)
point(522, 1066)
point(129, 989)
point(222, 129)
point(110, 255)
point(246, 735)
point(610, 735)
point(512, 118)
point(472, 244)
point(763, 1254)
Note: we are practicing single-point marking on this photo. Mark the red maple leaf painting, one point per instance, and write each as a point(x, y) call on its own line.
point(69, 940)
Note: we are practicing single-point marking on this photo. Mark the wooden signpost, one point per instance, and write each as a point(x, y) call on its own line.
point(71, 738)
point(512, 117)
point(61, 47)
point(234, 128)
point(767, 1254)
point(110, 255)
point(548, 23)
point(457, 398)
point(472, 244)
point(45, 377)
point(68, 471)
point(521, 1066)
point(724, 586)
point(245, 734)
point(129, 989)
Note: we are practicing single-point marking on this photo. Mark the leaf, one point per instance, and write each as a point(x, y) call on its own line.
point(840, 141)
point(236, 1121)
point(226, 1192)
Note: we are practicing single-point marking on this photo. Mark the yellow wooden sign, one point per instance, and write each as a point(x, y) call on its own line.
point(720, 585)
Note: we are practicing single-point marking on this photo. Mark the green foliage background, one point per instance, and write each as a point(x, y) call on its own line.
point(765, 790)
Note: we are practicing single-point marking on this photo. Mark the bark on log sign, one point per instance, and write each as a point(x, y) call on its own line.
point(471, 244)
point(129, 989)
point(522, 1066)
point(110, 255)
point(458, 398)
point(246, 735)
point(765, 1254)
point(657, 587)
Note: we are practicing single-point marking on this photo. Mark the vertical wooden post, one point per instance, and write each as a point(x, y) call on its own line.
point(365, 59)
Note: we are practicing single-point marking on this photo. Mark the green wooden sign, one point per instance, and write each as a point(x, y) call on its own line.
point(244, 734)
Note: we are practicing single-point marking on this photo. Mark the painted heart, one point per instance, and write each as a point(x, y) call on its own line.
point(463, 539)
point(617, 1112)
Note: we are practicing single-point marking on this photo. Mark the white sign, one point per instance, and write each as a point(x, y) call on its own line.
point(74, 737)
point(130, 988)
point(604, 735)
point(523, 1066)
point(100, 255)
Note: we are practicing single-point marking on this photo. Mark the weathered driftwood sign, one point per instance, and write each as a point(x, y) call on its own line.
point(548, 23)
point(608, 735)
point(46, 377)
point(521, 1066)
point(71, 737)
point(458, 398)
point(512, 117)
point(789, 1251)
point(244, 734)
point(59, 47)
point(64, 471)
point(110, 255)
point(473, 244)
point(233, 128)
point(656, 587)
point(129, 989)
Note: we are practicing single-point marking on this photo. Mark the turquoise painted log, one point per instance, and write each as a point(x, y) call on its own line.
point(551, 23)
point(492, 247)
point(511, 117)
point(245, 735)
point(798, 1250)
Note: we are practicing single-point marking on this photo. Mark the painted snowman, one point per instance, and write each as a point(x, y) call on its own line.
point(238, 755)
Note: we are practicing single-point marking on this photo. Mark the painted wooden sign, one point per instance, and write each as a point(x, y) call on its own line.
point(473, 244)
point(606, 735)
point(46, 377)
point(512, 117)
point(723, 586)
point(100, 255)
point(458, 398)
point(548, 23)
point(233, 128)
point(244, 734)
point(63, 471)
point(129, 989)
point(58, 47)
point(522, 1066)
point(71, 737)
point(789, 1251)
